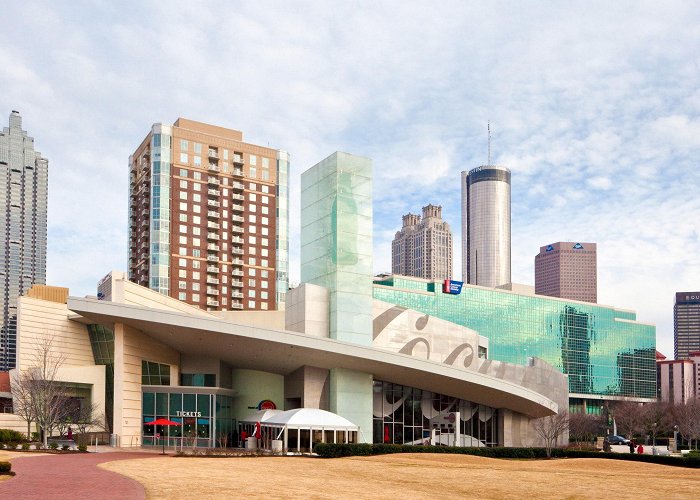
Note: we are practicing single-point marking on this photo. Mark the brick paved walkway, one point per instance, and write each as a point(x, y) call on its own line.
point(71, 476)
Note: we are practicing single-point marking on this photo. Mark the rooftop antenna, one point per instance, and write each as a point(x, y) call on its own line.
point(488, 127)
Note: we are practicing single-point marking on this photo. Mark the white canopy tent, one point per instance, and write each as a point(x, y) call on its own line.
point(303, 427)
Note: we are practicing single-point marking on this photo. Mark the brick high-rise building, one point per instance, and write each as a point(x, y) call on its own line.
point(567, 270)
point(423, 247)
point(208, 217)
point(686, 324)
point(24, 187)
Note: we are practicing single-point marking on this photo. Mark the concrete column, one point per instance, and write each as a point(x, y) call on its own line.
point(352, 398)
point(118, 424)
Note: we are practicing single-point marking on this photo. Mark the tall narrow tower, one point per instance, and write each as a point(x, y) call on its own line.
point(486, 226)
point(24, 185)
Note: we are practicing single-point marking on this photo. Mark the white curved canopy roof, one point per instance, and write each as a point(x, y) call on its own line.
point(260, 416)
point(310, 417)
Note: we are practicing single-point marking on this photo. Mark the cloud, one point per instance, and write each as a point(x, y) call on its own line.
point(594, 108)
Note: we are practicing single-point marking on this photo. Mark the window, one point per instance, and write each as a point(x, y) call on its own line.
point(225, 154)
point(154, 373)
point(252, 219)
point(251, 271)
point(264, 252)
point(264, 242)
point(182, 296)
point(251, 304)
point(253, 160)
point(196, 219)
point(197, 186)
point(183, 172)
point(195, 274)
point(253, 229)
point(264, 210)
point(183, 240)
point(197, 147)
point(263, 306)
point(251, 261)
point(252, 240)
point(251, 282)
point(251, 294)
point(253, 208)
point(183, 228)
point(265, 188)
point(182, 262)
point(195, 287)
point(184, 145)
point(198, 379)
point(263, 284)
point(183, 195)
point(182, 273)
point(196, 252)
point(265, 221)
point(197, 161)
point(263, 273)
point(196, 231)
point(195, 297)
point(183, 217)
point(265, 231)
point(253, 250)
point(182, 251)
point(265, 199)
point(252, 186)
point(263, 295)
point(196, 242)
point(264, 263)
point(196, 209)
point(183, 207)
point(182, 285)
point(265, 174)
point(197, 175)
point(197, 198)
point(196, 265)
point(183, 184)
point(252, 172)
point(252, 197)
point(265, 162)
point(183, 158)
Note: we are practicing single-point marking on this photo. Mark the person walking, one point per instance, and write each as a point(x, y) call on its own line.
point(632, 446)
point(640, 449)
point(606, 445)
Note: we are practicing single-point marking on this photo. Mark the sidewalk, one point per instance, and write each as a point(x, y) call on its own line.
point(74, 476)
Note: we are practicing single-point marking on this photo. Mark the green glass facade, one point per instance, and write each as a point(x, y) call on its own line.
point(102, 343)
point(604, 351)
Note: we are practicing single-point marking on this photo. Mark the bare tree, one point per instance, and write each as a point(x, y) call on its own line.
point(88, 417)
point(656, 419)
point(549, 429)
point(584, 427)
point(628, 417)
point(22, 399)
point(687, 417)
point(48, 394)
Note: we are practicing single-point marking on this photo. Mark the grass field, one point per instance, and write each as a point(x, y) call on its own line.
point(406, 475)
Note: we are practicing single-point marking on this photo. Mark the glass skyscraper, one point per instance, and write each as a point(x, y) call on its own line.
point(24, 188)
point(605, 352)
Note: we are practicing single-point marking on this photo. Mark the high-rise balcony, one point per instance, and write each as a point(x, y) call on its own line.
point(213, 225)
point(238, 159)
point(213, 181)
point(237, 295)
point(238, 197)
point(237, 283)
point(212, 291)
point(213, 269)
point(213, 203)
point(236, 305)
point(213, 192)
point(235, 207)
point(213, 168)
point(237, 239)
point(213, 236)
point(237, 272)
point(237, 218)
point(212, 303)
point(237, 262)
point(237, 251)
point(144, 212)
point(212, 258)
point(213, 247)
point(213, 153)
point(236, 229)
point(213, 215)
point(212, 280)
point(237, 185)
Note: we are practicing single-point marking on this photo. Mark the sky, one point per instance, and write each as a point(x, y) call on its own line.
point(594, 106)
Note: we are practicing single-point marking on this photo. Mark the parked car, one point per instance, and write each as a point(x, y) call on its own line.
point(618, 440)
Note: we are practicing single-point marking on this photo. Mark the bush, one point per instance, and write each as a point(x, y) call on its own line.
point(25, 446)
point(65, 447)
point(82, 447)
point(10, 445)
point(327, 450)
point(11, 436)
point(5, 467)
point(53, 445)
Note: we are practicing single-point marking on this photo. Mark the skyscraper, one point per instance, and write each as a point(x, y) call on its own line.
point(568, 270)
point(686, 324)
point(423, 247)
point(208, 217)
point(24, 198)
point(486, 226)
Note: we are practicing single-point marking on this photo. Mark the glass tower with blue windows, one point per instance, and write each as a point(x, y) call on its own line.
point(605, 352)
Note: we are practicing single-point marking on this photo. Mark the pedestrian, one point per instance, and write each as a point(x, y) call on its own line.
point(632, 446)
point(640, 449)
point(69, 434)
point(606, 445)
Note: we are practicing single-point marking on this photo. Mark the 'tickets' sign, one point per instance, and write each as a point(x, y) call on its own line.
point(189, 413)
point(452, 287)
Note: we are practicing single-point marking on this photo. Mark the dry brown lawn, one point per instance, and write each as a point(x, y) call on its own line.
point(406, 475)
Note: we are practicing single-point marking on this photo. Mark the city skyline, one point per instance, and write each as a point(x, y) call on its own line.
point(594, 109)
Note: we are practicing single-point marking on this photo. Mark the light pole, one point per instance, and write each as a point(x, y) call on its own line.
point(675, 438)
point(653, 447)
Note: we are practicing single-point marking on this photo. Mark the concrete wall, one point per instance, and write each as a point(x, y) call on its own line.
point(253, 386)
point(308, 386)
point(308, 310)
point(131, 347)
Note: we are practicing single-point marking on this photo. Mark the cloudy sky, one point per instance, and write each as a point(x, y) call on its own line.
point(595, 107)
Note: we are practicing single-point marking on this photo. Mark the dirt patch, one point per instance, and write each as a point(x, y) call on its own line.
point(419, 475)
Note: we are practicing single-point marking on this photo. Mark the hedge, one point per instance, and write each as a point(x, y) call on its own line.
point(327, 450)
point(5, 467)
point(11, 436)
